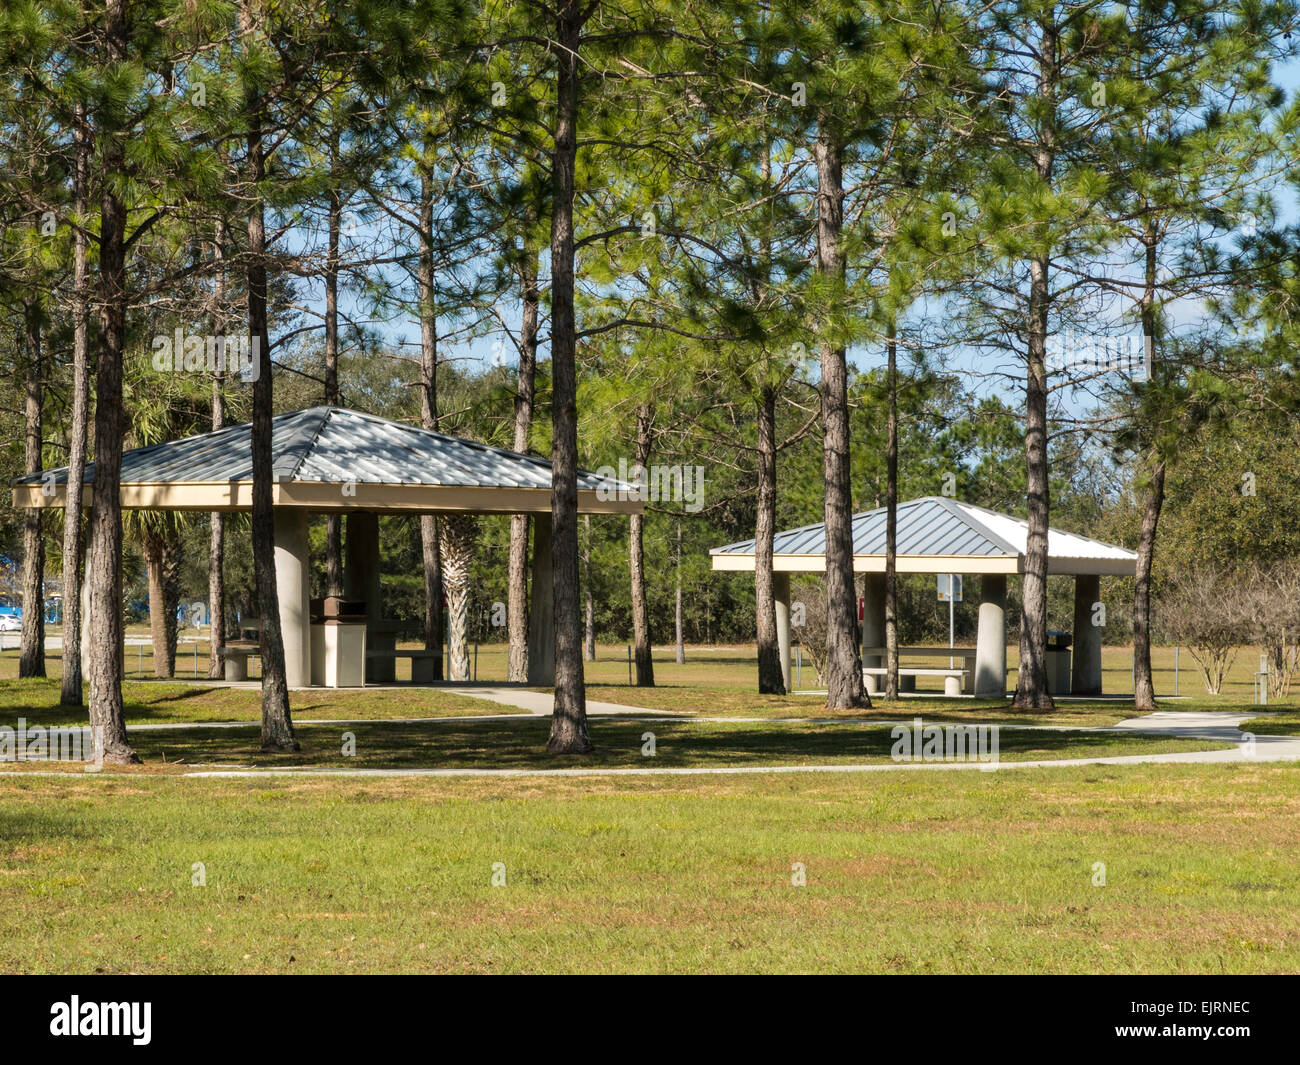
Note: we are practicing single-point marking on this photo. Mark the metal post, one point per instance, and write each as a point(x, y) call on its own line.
point(629, 664)
point(196, 656)
point(952, 597)
point(139, 659)
point(798, 667)
point(1176, 650)
point(476, 659)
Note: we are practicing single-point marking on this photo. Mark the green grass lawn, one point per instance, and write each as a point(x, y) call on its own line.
point(154, 702)
point(906, 872)
point(1274, 724)
point(917, 872)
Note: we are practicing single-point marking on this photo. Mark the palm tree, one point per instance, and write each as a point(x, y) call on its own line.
point(457, 534)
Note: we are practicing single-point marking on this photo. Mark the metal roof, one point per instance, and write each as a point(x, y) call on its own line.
point(938, 526)
point(333, 445)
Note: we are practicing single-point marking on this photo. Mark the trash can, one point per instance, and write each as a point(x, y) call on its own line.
point(1058, 662)
point(338, 642)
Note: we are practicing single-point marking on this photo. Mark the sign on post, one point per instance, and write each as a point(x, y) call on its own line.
point(950, 593)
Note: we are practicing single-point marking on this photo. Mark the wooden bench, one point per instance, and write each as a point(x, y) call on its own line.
point(237, 653)
point(953, 679)
point(422, 662)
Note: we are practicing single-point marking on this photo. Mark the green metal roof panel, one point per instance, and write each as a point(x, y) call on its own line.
point(935, 525)
point(336, 446)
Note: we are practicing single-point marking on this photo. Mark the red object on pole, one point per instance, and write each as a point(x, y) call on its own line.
point(862, 608)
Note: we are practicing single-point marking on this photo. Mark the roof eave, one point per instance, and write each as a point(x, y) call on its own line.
point(328, 497)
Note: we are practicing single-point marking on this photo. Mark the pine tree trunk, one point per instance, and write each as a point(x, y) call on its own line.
point(525, 389)
point(1031, 677)
point(569, 719)
point(154, 548)
point(771, 674)
point(217, 519)
point(589, 635)
point(677, 607)
point(333, 522)
point(73, 536)
point(517, 601)
point(104, 573)
point(891, 525)
point(31, 659)
point(430, 550)
point(277, 724)
point(844, 686)
point(645, 668)
point(334, 552)
point(1144, 692)
point(1144, 689)
point(216, 595)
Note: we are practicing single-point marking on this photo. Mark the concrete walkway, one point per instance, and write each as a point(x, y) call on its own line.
point(1187, 719)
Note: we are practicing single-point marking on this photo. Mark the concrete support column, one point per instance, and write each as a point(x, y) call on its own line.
point(361, 581)
point(781, 595)
point(873, 628)
point(541, 608)
point(991, 641)
point(1085, 665)
point(293, 586)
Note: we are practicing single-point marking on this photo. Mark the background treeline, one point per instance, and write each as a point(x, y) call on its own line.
point(948, 431)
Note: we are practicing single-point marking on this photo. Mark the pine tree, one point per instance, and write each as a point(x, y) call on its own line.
point(1193, 130)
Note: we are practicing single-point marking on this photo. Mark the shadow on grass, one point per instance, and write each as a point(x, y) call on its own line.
point(520, 744)
point(175, 693)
